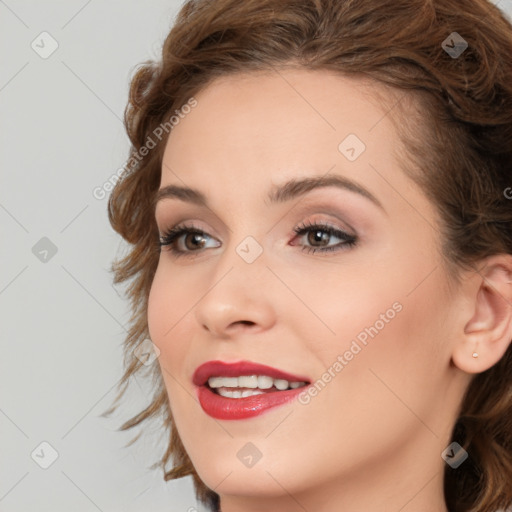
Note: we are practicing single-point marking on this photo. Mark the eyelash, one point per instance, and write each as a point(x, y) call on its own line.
point(173, 234)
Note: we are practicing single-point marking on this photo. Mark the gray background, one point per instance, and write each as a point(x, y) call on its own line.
point(63, 323)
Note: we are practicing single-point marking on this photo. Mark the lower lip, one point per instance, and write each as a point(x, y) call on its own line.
point(224, 408)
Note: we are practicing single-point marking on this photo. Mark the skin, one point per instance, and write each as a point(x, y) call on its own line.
point(372, 438)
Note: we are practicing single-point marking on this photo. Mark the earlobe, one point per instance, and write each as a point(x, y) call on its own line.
point(488, 333)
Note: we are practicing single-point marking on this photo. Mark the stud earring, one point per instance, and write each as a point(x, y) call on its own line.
point(475, 353)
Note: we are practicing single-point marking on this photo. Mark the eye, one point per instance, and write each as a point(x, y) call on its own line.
point(318, 235)
point(184, 239)
point(187, 239)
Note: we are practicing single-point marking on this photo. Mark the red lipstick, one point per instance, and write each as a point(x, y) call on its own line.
point(227, 408)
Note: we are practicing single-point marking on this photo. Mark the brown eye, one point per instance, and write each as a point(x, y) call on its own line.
point(185, 240)
point(193, 241)
point(318, 237)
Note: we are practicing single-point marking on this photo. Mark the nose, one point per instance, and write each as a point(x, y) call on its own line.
point(237, 299)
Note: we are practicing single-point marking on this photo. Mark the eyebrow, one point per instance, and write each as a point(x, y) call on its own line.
point(278, 194)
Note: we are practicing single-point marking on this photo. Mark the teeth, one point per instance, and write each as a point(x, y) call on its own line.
point(251, 382)
point(248, 381)
point(239, 394)
point(265, 382)
point(281, 384)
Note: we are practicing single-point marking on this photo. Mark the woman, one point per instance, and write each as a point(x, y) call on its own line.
point(318, 202)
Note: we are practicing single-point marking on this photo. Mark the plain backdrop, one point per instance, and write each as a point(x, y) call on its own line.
point(64, 75)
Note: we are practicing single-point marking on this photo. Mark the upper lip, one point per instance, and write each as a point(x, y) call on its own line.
point(223, 369)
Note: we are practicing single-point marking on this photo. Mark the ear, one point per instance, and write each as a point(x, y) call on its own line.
point(488, 333)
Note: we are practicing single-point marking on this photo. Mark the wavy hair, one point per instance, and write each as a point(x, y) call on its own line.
point(459, 142)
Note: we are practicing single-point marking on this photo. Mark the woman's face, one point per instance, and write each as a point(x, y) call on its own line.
point(362, 313)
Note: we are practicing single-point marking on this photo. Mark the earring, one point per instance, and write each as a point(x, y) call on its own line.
point(475, 353)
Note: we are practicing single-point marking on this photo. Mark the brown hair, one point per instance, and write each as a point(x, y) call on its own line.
point(459, 142)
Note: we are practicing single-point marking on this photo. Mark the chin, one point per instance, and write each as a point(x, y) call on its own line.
point(261, 480)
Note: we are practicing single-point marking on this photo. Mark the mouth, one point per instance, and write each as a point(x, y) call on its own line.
point(250, 385)
point(244, 389)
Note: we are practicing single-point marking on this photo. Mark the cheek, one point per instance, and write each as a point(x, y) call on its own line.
point(169, 329)
point(157, 311)
point(168, 303)
point(383, 325)
point(394, 355)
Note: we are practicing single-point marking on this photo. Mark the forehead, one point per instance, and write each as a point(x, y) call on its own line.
point(286, 113)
